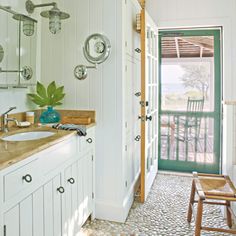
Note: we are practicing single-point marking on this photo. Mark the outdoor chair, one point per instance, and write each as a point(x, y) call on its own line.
point(187, 127)
point(214, 190)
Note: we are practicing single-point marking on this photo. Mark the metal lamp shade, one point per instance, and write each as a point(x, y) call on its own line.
point(55, 16)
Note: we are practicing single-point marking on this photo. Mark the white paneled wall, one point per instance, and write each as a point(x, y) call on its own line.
point(101, 91)
point(17, 97)
point(203, 13)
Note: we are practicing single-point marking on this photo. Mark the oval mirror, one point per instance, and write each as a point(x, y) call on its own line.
point(1, 53)
point(97, 48)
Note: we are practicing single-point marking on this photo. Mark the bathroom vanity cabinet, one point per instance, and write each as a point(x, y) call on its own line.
point(50, 193)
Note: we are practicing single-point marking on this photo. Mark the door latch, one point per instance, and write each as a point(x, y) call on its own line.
point(144, 104)
point(142, 118)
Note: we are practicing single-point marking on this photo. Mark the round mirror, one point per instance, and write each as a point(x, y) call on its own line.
point(1, 53)
point(97, 48)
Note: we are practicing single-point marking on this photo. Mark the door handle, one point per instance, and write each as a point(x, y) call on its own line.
point(137, 138)
point(71, 180)
point(27, 178)
point(138, 50)
point(149, 118)
point(61, 190)
point(89, 140)
point(138, 94)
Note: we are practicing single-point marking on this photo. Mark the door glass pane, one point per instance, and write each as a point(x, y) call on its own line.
point(188, 73)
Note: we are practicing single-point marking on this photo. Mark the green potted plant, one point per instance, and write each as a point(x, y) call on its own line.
point(50, 97)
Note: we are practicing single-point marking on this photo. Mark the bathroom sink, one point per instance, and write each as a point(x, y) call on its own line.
point(27, 136)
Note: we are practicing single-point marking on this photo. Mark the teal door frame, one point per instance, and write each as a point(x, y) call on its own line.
point(186, 166)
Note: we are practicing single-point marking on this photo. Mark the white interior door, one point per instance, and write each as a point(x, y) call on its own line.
point(149, 111)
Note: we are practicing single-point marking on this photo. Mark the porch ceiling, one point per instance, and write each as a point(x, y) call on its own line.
point(187, 47)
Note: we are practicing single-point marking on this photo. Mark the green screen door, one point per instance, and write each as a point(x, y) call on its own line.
point(190, 100)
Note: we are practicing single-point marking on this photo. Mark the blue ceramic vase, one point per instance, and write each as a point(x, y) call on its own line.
point(50, 116)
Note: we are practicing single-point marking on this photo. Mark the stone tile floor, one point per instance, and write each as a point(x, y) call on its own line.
point(164, 213)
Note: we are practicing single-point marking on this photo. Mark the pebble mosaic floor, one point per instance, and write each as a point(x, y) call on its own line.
point(163, 214)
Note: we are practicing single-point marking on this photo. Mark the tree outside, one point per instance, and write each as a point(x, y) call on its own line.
point(197, 77)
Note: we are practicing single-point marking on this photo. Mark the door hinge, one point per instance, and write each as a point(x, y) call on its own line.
point(125, 1)
point(126, 148)
point(92, 195)
point(142, 118)
point(144, 104)
point(126, 184)
point(126, 67)
point(4, 230)
point(92, 157)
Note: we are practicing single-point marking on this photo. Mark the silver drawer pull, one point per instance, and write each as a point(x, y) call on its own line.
point(61, 190)
point(71, 180)
point(89, 140)
point(27, 178)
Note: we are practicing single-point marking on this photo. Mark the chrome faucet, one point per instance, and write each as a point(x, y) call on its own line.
point(5, 120)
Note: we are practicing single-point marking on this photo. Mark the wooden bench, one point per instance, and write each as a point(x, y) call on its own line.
point(215, 190)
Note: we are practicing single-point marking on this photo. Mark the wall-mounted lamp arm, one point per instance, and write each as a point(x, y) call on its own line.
point(95, 66)
point(30, 6)
point(26, 72)
point(10, 71)
point(8, 9)
point(54, 4)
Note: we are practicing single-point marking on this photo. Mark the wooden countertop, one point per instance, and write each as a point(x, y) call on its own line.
point(13, 152)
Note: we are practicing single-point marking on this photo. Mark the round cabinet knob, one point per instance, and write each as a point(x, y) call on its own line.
point(61, 190)
point(137, 138)
point(71, 180)
point(89, 140)
point(27, 178)
point(138, 50)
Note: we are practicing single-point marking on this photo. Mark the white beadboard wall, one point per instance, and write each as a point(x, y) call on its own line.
point(191, 13)
point(17, 97)
point(101, 91)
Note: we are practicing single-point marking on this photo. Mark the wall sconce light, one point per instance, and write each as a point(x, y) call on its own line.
point(55, 15)
point(28, 23)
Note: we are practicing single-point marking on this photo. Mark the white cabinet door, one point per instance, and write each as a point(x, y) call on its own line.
point(132, 37)
point(52, 207)
point(128, 92)
point(26, 215)
point(38, 217)
point(12, 222)
point(26, 218)
point(136, 122)
point(87, 184)
point(80, 193)
point(71, 226)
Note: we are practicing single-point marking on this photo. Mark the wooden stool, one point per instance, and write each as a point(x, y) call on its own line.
point(210, 187)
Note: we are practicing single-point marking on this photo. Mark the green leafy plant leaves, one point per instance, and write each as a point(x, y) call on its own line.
point(50, 96)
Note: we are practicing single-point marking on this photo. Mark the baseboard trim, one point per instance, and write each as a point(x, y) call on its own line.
point(116, 212)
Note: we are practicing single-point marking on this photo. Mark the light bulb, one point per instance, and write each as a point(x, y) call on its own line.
point(54, 23)
point(28, 27)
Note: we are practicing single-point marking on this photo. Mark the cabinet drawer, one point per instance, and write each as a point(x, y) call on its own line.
point(87, 142)
point(20, 179)
point(56, 155)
